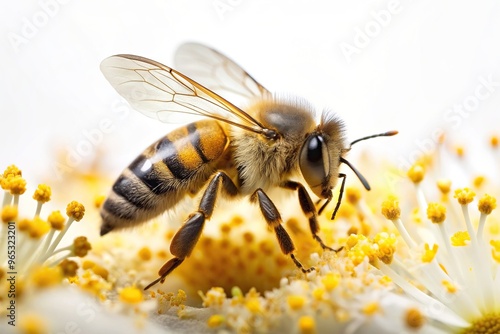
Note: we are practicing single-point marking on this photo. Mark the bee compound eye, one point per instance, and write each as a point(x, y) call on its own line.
point(314, 161)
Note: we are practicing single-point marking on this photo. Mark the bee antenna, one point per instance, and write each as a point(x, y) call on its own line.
point(385, 134)
point(358, 174)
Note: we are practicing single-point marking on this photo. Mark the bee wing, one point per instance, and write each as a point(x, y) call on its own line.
point(161, 92)
point(218, 73)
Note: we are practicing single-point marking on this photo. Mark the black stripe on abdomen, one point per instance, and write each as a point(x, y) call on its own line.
point(167, 149)
point(194, 138)
point(143, 168)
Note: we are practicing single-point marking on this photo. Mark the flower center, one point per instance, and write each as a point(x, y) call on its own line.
point(488, 324)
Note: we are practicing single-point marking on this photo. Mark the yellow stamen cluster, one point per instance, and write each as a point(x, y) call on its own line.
point(429, 253)
point(495, 252)
point(386, 246)
point(464, 196)
point(12, 179)
point(444, 185)
point(131, 295)
point(43, 277)
point(296, 302)
point(353, 195)
point(436, 213)
point(9, 213)
point(68, 267)
point(56, 220)
point(307, 325)
point(145, 254)
point(32, 324)
point(42, 193)
point(487, 204)
point(81, 246)
point(416, 173)
point(450, 287)
point(75, 210)
point(216, 320)
point(38, 228)
point(414, 318)
point(330, 281)
point(390, 208)
point(460, 238)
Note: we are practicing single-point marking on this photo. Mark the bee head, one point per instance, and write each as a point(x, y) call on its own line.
point(320, 155)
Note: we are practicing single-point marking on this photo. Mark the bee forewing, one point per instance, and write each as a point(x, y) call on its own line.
point(162, 93)
point(218, 73)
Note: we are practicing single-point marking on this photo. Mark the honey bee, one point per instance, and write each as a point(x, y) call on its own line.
point(233, 151)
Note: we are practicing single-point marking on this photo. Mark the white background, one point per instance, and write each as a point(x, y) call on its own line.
point(422, 58)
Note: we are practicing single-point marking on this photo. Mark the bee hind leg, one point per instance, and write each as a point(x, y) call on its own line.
point(273, 219)
point(309, 210)
point(188, 235)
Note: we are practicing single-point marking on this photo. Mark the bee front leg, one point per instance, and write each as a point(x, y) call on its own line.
point(309, 210)
point(273, 219)
point(188, 235)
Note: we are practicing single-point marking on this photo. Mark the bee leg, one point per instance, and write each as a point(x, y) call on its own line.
point(187, 236)
point(273, 219)
point(309, 210)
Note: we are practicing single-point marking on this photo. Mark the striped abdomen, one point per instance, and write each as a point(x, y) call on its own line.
point(156, 180)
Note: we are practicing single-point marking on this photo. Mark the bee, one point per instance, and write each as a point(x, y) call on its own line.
point(233, 151)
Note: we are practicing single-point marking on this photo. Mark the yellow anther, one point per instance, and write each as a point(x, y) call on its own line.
point(56, 220)
point(464, 196)
point(131, 295)
point(460, 238)
point(436, 213)
point(450, 287)
point(414, 318)
point(307, 325)
point(416, 173)
point(444, 185)
point(390, 208)
point(75, 210)
point(487, 204)
point(429, 253)
point(42, 193)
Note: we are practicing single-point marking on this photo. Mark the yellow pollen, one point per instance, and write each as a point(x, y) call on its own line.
point(460, 151)
point(75, 210)
point(16, 185)
point(24, 225)
point(390, 208)
point(414, 318)
point(385, 280)
point(436, 213)
point(307, 325)
point(494, 141)
point(42, 193)
point(450, 287)
point(43, 277)
point(216, 320)
point(11, 171)
point(488, 324)
point(464, 196)
point(478, 181)
point(38, 228)
point(318, 293)
point(131, 295)
point(99, 200)
point(353, 195)
point(371, 308)
point(460, 238)
point(56, 220)
point(495, 252)
point(296, 302)
point(9, 213)
point(416, 173)
point(68, 267)
point(253, 305)
point(487, 204)
point(330, 281)
point(386, 247)
point(429, 253)
point(81, 246)
point(444, 185)
point(145, 254)
point(32, 324)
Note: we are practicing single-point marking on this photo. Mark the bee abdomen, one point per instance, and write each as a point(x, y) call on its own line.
point(161, 176)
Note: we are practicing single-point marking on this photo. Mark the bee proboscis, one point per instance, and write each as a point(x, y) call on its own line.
point(233, 151)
